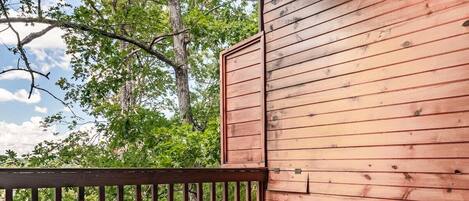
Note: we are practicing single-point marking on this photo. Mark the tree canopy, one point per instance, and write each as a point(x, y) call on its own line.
point(145, 73)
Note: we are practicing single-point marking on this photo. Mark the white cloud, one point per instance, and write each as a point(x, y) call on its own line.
point(50, 58)
point(15, 75)
point(24, 136)
point(40, 53)
point(20, 96)
point(52, 39)
point(40, 109)
point(66, 110)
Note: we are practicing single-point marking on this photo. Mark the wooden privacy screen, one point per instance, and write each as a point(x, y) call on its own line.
point(242, 104)
point(367, 99)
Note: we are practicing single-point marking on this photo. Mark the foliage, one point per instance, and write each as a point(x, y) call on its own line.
point(128, 94)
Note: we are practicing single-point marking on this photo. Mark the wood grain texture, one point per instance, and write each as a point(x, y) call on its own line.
point(407, 24)
point(245, 101)
point(243, 74)
point(294, 18)
point(400, 83)
point(451, 120)
point(245, 156)
point(242, 61)
point(335, 15)
point(432, 92)
point(368, 98)
point(303, 67)
point(387, 112)
point(320, 34)
point(452, 135)
point(245, 142)
point(330, 191)
point(288, 9)
point(242, 104)
point(283, 196)
point(376, 165)
point(380, 152)
point(369, 75)
point(367, 50)
point(243, 115)
point(243, 129)
point(244, 88)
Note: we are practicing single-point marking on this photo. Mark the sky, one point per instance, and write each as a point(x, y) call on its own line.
point(20, 117)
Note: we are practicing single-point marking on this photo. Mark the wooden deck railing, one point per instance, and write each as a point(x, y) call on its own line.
point(34, 179)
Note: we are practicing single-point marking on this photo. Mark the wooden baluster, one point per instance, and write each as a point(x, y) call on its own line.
point(170, 192)
point(200, 192)
point(237, 191)
point(248, 191)
point(154, 192)
point(102, 193)
point(120, 193)
point(58, 194)
point(225, 191)
point(34, 194)
point(260, 191)
point(81, 193)
point(138, 193)
point(8, 194)
point(213, 193)
point(186, 192)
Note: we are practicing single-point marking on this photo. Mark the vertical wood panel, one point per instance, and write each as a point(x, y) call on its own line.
point(102, 193)
point(58, 194)
point(186, 191)
point(34, 194)
point(403, 141)
point(170, 192)
point(138, 193)
point(81, 193)
point(260, 191)
point(120, 193)
point(8, 194)
point(245, 108)
point(237, 191)
point(248, 191)
point(200, 192)
point(225, 191)
point(154, 192)
point(213, 192)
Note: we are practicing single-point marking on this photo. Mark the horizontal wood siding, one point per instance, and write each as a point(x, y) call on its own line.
point(242, 104)
point(367, 99)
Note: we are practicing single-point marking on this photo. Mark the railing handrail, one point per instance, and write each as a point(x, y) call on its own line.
point(15, 178)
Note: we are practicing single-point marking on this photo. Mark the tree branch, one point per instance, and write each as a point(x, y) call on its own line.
point(160, 37)
point(87, 28)
point(19, 47)
point(58, 99)
point(35, 35)
point(26, 70)
point(39, 8)
point(6, 28)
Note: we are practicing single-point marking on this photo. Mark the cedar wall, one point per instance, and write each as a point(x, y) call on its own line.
point(243, 104)
point(369, 98)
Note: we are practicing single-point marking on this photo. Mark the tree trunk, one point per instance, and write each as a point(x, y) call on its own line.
point(127, 90)
point(181, 70)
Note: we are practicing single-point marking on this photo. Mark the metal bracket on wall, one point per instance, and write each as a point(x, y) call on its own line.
point(276, 170)
point(298, 171)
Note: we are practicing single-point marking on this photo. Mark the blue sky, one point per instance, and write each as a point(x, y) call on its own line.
point(19, 116)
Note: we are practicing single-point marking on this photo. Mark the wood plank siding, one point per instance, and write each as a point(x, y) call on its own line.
point(365, 100)
point(243, 104)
